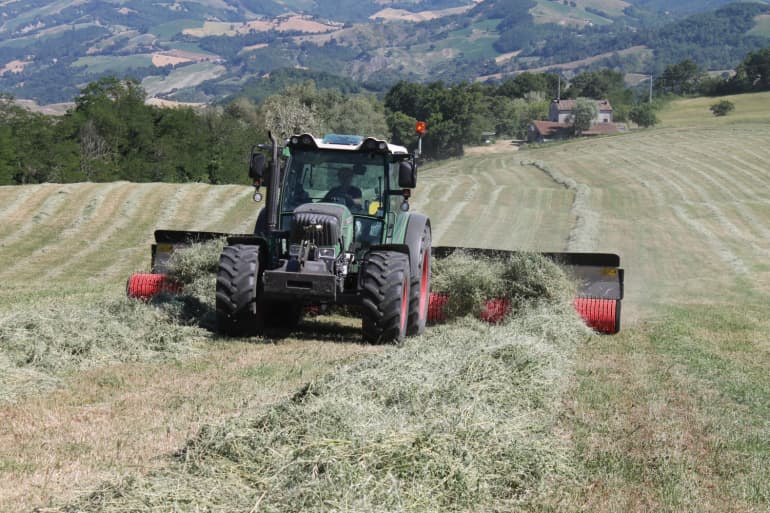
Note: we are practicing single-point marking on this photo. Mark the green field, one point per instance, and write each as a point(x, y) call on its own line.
point(670, 415)
point(115, 63)
point(762, 28)
point(181, 77)
point(475, 42)
point(169, 29)
point(548, 11)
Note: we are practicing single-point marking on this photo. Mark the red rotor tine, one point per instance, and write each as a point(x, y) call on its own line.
point(600, 314)
point(146, 285)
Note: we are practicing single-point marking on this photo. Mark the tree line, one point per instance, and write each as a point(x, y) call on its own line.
point(687, 78)
point(112, 134)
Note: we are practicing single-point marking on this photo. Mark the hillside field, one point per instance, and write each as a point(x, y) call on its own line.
point(670, 415)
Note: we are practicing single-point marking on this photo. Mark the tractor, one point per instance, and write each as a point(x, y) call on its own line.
point(337, 229)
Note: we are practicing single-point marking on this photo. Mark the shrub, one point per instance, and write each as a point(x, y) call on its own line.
point(722, 108)
point(643, 115)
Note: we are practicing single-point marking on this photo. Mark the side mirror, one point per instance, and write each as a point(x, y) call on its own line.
point(257, 166)
point(407, 175)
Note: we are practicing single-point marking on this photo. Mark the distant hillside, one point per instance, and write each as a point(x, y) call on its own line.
point(205, 50)
point(681, 6)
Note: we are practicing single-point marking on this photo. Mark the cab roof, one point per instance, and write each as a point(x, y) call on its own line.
point(345, 143)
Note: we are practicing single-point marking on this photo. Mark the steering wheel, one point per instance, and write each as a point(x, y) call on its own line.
point(341, 198)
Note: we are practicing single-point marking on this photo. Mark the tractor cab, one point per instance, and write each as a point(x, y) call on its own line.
point(361, 175)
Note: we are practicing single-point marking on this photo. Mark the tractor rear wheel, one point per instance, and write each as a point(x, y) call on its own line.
point(239, 312)
point(385, 296)
point(420, 288)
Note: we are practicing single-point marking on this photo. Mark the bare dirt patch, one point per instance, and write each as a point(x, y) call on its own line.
point(391, 14)
point(160, 60)
point(15, 66)
point(506, 56)
point(293, 23)
point(499, 146)
point(251, 48)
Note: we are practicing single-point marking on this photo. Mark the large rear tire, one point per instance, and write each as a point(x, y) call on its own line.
point(420, 288)
point(385, 296)
point(237, 293)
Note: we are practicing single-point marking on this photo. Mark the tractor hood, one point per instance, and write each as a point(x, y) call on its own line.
point(324, 224)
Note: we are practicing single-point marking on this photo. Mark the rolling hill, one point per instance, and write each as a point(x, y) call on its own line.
point(204, 51)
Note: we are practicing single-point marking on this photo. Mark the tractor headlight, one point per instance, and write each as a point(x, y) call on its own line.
point(326, 252)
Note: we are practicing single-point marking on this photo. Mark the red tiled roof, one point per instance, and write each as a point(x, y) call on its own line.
point(569, 105)
point(548, 128)
point(565, 105)
point(551, 128)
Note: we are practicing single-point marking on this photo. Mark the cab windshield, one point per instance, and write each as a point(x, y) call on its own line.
point(356, 180)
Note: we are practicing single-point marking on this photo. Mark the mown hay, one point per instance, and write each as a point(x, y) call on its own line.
point(522, 278)
point(51, 339)
point(460, 419)
point(195, 268)
point(47, 339)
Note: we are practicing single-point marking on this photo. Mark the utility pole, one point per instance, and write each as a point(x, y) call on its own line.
point(558, 91)
point(650, 88)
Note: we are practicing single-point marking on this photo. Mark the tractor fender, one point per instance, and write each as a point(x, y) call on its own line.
point(260, 227)
point(252, 240)
point(414, 229)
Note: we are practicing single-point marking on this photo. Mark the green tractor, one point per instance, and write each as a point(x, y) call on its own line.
point(336, 230)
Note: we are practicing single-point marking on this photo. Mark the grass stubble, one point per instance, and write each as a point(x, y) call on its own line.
point(462, 418)
point(92, 391)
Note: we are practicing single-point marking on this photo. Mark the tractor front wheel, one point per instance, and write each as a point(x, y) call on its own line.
point(239, 311)
point(385, 296)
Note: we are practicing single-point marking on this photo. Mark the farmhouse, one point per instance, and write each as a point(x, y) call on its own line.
point(559, 122)
point(561, 111)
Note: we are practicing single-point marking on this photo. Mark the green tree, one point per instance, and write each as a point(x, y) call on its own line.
point(528, 82)
point(115, 130)
point(452, 114)
point(402, 129)
point(599, 84)
point(681, 78)
point(583, 114)
point(357, 115)
point(754, 71)
point(286, 115)
point(643, 115)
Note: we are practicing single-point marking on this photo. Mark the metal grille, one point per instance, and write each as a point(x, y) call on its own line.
point(321, 229)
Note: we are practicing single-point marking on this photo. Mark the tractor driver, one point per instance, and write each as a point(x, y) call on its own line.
point(345, 193)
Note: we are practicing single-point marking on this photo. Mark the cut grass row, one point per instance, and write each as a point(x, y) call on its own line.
point(673, 415)
point(687, 212)
point(56, 239)
point(432, 424)
point(460, 418)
